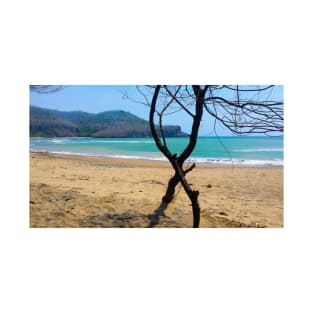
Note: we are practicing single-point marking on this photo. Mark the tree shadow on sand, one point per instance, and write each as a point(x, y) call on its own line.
point(130, 219)
point(155, 216)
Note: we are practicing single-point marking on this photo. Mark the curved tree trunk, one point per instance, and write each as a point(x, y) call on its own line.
point(170, 191)
point(192, 194)
point(177, 162)
point(173, 182)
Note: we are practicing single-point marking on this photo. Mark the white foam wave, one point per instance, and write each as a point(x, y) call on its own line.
point(241, 162)
point(60, 141)
point(90, 141)
point(260, 150)
point(120, 141)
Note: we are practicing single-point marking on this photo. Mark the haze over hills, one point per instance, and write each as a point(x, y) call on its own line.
point(111, 124)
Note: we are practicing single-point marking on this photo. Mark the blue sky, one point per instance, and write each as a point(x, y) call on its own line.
point(97, 98)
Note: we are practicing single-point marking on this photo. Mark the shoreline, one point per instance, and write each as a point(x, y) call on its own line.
point(216, 162)
point(80, 191)
point(203, 136)
point(103, 159)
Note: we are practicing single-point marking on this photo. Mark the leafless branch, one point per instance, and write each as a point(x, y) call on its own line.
point(45, 88)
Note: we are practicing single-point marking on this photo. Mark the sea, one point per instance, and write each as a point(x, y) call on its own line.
point(246, 151)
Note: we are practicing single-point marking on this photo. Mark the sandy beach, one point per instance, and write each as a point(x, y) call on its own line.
point(75, 191)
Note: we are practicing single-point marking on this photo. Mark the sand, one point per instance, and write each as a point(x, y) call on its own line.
point(74, 191)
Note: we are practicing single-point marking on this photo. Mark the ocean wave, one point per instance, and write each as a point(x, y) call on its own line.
point(89, 141)
point(260, 150)
point(120, 141)
point(62, 141)
point(241, 162)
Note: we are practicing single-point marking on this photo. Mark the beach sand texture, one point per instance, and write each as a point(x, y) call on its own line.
point(74, 191)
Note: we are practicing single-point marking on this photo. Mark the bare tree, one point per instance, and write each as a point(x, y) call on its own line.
point(45, 88)
point(241, 109)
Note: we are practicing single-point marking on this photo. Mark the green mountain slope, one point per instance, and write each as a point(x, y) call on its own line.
point(43, 123)
point(52, 123)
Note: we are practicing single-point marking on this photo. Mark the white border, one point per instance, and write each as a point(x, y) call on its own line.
point(79, 270)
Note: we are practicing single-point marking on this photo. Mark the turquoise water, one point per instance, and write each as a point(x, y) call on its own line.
point(263, 151)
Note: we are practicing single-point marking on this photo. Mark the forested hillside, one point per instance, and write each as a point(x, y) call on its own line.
point(52, 123)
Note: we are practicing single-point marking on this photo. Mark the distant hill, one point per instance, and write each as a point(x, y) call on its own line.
point(44, 123)
point(113, 124)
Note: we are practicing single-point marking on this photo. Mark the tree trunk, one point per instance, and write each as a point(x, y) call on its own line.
point(177, 162)
point(172, 183)
point(192, 194)
point(195, 208)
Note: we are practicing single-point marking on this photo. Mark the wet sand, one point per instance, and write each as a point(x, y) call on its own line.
point(75, 191)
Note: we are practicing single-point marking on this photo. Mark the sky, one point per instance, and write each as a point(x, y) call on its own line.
point(99, 98)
